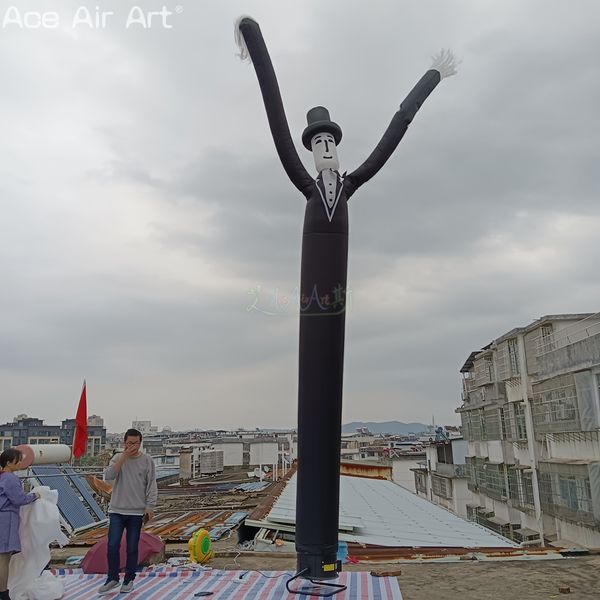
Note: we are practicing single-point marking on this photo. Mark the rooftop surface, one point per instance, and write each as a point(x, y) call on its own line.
point(474, 580)
point(177, 584)
point(382, 513)
point(458, 580)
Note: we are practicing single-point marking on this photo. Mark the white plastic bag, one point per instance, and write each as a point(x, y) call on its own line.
point(45, 587)
point(40, 525)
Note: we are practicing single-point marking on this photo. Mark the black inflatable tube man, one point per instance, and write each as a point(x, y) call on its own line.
point(323, 291)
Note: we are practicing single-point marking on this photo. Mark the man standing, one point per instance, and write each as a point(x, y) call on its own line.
point(132, 503)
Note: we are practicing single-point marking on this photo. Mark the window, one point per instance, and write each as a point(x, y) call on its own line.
point(527, 485)
point(555, 406)
point(568, 492)
point(492, 423)
point(444, 454)
point(481, 415)
point(565, 492)
point(575, 493)
point(495, 481)
point(489, 368)
point(547, 339)
point(565, 409)
point(503, 425)
point(420, 482)
point(520, 487)
point(513, 354)
point(441, 486)
point(520, 428)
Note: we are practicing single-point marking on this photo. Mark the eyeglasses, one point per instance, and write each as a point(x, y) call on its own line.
point(131, 444)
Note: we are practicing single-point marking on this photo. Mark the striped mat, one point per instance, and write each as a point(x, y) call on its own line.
point(177, 584)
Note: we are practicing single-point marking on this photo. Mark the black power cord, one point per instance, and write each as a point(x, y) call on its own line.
point(318, 584)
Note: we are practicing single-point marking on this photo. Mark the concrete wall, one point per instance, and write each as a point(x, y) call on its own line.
point(479, 449)
point(233, 453)
point(293, 449)
point(185, 464)
point(431, 457)
point(264, 453)
point(580, 535)
point(402, 474)
point(169, 460)
point(461, 496)
point(460, 450)
point(586, 446)
point(529, 521)
point(445, 502)
point(580, 355)
point(521, 454)
point(501, 509)
point(495, 451)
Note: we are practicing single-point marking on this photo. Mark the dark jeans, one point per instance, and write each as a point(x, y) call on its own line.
point(132, 524)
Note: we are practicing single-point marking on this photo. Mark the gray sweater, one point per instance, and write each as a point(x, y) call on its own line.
point(135, 488)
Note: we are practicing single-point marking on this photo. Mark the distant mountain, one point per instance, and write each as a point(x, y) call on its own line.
point(390, 427)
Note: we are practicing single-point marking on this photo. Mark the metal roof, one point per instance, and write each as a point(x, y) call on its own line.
point(84, 489)
point(166, 473)
point(252, 486)
point(69, 503)
point(469, 362)
point(379, 512)
point(174, 526)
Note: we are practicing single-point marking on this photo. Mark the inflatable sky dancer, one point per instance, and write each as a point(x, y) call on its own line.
point(323, 291)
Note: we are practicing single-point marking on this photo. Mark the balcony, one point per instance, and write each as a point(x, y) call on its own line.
point(569, 490)
point(576, 348)
point(451, 470)
point(558, 408)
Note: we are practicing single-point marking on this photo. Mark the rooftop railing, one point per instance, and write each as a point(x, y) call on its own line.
point(549, 342)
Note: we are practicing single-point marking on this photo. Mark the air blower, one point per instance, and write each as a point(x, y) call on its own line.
point(200, 547)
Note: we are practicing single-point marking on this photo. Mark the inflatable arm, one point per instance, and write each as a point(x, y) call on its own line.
point(252, 47)
point(444, 66)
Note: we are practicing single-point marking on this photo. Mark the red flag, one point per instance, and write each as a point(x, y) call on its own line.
point(80, 437)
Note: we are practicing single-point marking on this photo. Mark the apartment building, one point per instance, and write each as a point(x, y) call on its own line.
point(531, 416)
point(442, 477)
point(31, 430)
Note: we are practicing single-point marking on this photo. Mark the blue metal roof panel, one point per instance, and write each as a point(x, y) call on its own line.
point(69, 503)
point(166, 474)
point(235, 518)
point(84, 489)
point(253, 486)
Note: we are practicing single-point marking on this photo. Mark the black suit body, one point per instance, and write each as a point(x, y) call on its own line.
point(322, 313)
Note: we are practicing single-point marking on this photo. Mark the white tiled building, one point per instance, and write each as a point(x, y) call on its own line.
point(531, 415)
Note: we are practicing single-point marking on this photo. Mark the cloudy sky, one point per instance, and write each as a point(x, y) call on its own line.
point(150, 240)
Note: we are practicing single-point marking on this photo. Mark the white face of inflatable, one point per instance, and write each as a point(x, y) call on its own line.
point(324, 152)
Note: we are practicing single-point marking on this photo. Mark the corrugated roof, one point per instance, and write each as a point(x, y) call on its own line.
point(174, 526)
point(469, 362)
point(252, 486)
point(84, 489)
point(69, 504)
point(382, 513)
